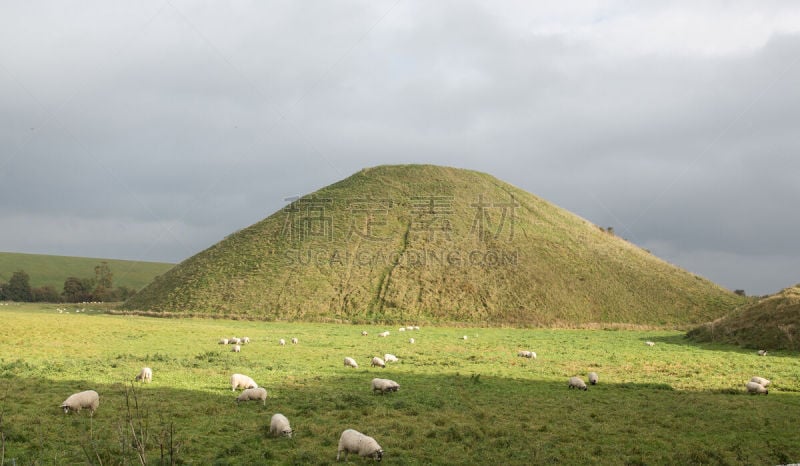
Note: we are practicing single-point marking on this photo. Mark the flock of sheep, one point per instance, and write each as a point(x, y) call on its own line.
point(351, 441)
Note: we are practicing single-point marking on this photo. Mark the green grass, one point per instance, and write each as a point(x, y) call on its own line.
point(53, 270)
point(536, 265)
point(460, 402)
point(771, 323)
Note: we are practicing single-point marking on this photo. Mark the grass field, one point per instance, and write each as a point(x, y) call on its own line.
point(461, 401)
point(53, 270)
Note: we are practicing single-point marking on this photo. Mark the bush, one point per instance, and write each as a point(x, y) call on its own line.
point(45, 294)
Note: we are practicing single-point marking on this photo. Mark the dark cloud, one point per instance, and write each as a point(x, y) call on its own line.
point(152, 130)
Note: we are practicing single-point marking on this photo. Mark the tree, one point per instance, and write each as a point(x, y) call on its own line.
point(77, 289)
point(19, 287)
point(120, 293)
point(104, 281)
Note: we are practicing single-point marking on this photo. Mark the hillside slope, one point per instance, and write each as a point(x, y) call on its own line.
point(771, 323)
point(53, 270)
point(428, 243)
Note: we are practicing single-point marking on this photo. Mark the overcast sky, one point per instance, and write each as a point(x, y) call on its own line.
point(149, 130)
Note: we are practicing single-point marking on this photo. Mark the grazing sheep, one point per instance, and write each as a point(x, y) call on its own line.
point(401, 329)
point(353, 441)
point(464, 337)
point(762, 352)
point(593, 378)
point(364, 333)
point(761, 381)
point(234, 341)
point(756, 388)
point(527, 354)
point(88, 399)
point(241, 380)
point(389, 357)
point(376, 361)
point(236, 348)
point(253, 394)
point(279, 425)
point(384, 334)
point(223, 341)
point(145, 375)
point(411, 340)
point(294, 341)
point(384, 385)
point(245, 340)
point(576, 382)
point(650, 343)
point(350, 362)
point(282, 342)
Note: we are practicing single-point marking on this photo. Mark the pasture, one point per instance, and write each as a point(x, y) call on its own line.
point(461, 401)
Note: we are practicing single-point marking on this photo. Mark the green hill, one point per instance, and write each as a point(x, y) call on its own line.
point(53, 270)
point(433, 244)
point(771, 323)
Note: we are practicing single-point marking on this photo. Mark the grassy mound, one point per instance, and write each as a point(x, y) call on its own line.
point(432, 244)
point(770, 323)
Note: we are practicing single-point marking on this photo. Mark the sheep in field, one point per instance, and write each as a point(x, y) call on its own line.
point(350, 362)
point(243, 381)
point(145, 375)
point(352, 441)
point(88, 399)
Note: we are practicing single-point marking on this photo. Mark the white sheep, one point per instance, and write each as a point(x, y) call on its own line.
point(761, 381)
point(527, 354)
point(245, 340)
point(464, 337)
point(364, 333)
point(756, 388)
point(376, 361)
point(88, 399)
point(241, 380)
point(389, 357)
point(223, 341)
point(593, 379)
point(294, 340)
point(279, 425)
point(145, 375)
point(350, 362)
point(650, 343)
point(401, 329)
point(384, 334)
point(384, 385)
point(282, 342)
point(253, 394)
point(762, 352)
point(234, 341)
point(353, 441)
point(411, 340)
point(576, 382)
point(236, 348)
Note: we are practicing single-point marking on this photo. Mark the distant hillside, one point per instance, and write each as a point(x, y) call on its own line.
point(435, 244)
point(770, 323)
point(53, 270)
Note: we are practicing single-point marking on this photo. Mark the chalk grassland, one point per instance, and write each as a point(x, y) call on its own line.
point(53, 270)
point(431, 250)
point(461, 401)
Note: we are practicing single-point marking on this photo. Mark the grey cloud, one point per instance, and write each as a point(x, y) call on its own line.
point(205, 118)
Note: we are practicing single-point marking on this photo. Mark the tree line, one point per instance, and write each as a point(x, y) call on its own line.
point(76, 289)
